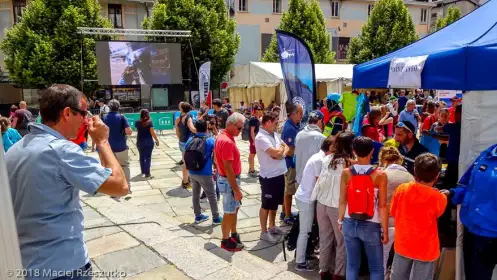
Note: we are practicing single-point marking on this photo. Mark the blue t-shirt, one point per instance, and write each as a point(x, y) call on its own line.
point(10, 137)
point(410, 117)
point(289, 134)
point(402, 103)
point(144, 137)
point(454, 132)
point(209, 149)
point(117, 137)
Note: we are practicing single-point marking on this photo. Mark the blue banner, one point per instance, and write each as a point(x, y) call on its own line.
point(297, 66)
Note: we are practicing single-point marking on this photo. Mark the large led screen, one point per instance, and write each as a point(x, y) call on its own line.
point(135, 63)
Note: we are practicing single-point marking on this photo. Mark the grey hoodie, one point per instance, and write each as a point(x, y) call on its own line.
point(307, 143)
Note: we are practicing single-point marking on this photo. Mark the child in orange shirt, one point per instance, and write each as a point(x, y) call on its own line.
point(416, 206)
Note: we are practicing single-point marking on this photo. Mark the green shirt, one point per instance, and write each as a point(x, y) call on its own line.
point(349, 105)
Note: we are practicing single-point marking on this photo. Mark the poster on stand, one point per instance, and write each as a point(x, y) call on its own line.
point(204, 80)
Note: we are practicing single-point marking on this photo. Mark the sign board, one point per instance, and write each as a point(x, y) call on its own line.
point(132, 118)
point(444, 94)
point(163, 120)
point(406, 72)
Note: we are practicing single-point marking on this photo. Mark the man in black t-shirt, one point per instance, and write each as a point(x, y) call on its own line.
point(409, 147)
point(254, 124)
point(221, 113)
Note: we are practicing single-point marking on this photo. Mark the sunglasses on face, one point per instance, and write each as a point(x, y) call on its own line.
point(84, 114)
point(404, 126)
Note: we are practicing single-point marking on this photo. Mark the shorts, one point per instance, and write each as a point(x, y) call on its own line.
point(182, 147)
point(290, 182)
point(273, 190)
point(252, 147)
point(230, 205)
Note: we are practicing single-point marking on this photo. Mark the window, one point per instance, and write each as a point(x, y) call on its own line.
point(370, 9)
point(116, 15)
point(19, 7)
point(242, 6)
point(424, 15)
point(276, 6)
point(335, 9)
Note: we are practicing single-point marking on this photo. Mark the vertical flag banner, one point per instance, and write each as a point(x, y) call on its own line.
point(297, 66)
point(204, 81)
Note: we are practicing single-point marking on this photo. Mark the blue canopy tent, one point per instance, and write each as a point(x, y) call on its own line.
point(461, 56)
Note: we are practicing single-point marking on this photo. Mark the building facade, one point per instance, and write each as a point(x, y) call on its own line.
point(257, 20)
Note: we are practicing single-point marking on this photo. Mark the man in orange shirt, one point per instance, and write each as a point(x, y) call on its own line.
point(416, 206)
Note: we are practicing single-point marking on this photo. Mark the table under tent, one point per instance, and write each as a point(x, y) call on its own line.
point(262, 80)
point(461, 56)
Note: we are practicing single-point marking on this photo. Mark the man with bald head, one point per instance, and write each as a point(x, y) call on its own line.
point(290, 130)
point(22, 117)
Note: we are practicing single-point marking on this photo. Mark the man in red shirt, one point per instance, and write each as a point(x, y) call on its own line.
point(452, 110)
point(229, 167)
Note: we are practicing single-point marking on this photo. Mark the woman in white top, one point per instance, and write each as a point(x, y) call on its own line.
point(391, 161)
point(327, 194)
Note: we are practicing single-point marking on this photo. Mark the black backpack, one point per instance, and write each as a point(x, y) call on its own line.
point(194, 157)
point(246, 131)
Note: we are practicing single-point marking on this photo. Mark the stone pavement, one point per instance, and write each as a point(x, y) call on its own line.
point(160, 240)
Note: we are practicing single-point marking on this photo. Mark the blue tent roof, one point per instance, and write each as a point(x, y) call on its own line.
point(461, 56)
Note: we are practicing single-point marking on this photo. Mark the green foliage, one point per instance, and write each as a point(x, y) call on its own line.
point(453, 14)
point(44, 48)
point(213, 33)
point(305, 19)
point(389, 27)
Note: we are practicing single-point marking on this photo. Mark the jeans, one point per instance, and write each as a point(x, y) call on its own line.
point(123, 159)
point(203, 182)
point(230, 205)
point(480, 256)
point(306, 217)
point(358, 234)
point(408, 269)
point(145, 159)
point(388, 247)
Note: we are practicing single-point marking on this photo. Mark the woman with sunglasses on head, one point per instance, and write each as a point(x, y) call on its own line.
point(145, 142)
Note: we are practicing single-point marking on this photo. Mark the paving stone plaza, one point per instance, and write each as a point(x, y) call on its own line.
point(161, 240)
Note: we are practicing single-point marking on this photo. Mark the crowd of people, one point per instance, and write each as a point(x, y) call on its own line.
point(376, 192)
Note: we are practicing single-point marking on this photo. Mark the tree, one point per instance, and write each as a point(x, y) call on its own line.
point(305, 19)
point(213, 34)
point(389, 27)
point(453, 14)
point(45, 48)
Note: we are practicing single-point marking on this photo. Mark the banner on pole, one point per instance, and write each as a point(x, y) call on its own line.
point(204, 81)
point(405, 72)
point(297, 66)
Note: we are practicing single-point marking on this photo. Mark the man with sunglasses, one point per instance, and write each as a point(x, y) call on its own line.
point(46, 173)
point(409, 147)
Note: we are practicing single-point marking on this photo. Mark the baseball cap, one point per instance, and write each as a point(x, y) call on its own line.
point(101, 100)
point(406, 125)
point(316, 114)
point(393, 98)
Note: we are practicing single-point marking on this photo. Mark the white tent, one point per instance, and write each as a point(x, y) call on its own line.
point(263, 80)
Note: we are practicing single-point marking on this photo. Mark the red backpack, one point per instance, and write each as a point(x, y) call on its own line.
point(361, 195)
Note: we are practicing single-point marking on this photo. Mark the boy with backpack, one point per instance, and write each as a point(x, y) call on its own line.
point(363, 212)
point(198, 161)
point(416, 206)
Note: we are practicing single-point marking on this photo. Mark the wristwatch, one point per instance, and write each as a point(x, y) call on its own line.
point(340, 222)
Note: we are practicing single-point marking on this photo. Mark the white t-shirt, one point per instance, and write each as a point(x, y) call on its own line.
point(312, 170)
point(269, 167)
point(327, 189)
